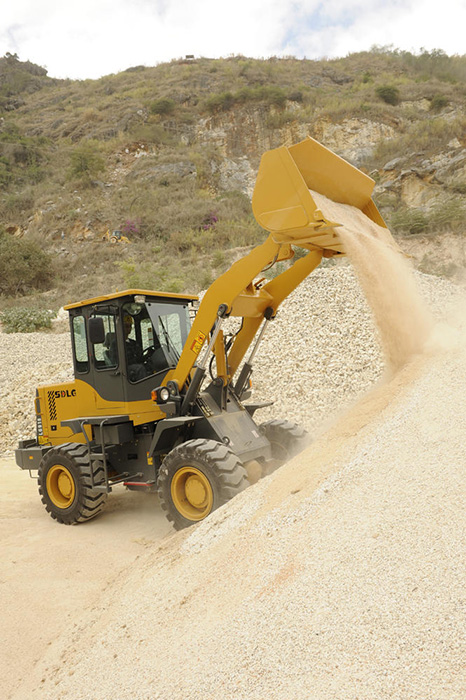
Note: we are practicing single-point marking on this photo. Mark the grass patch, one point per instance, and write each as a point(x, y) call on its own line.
point(445, 217)
point(427, 136)
point(23, 320)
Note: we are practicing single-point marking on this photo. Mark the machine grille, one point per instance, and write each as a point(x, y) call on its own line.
point(52, 405)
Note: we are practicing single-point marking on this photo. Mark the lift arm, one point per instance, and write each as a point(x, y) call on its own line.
point(283, 204)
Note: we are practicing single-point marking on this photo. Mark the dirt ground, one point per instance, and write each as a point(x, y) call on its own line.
point(51, 573)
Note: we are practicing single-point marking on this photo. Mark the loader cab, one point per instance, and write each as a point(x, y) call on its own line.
point(124, 344)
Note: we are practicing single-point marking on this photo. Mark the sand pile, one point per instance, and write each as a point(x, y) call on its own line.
point(324, 351)
point(342, 575)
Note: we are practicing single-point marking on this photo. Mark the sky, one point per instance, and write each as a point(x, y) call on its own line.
point(92, 38)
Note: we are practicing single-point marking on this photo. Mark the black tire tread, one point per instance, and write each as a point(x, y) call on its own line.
point(230, 474)
point(292, 437)
point(90, 502)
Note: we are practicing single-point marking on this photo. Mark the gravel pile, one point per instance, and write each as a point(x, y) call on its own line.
point(320, 353)
point(342, 575)
point(27, 360)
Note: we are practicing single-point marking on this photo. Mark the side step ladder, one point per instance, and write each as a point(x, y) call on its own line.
point(77, 426)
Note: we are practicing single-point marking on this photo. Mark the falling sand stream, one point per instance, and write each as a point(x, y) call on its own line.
point(401, 316)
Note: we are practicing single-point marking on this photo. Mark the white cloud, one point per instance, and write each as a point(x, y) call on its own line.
point(356, 25)
point(98, 37)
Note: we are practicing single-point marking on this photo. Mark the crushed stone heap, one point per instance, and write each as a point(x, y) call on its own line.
point(342, 575)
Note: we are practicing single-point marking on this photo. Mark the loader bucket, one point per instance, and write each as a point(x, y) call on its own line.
point(282, 201)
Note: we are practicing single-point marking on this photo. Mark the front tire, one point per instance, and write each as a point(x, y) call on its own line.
point(65, 484)
point(196, 478)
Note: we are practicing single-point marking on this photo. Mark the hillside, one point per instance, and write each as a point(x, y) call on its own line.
point(168, 155)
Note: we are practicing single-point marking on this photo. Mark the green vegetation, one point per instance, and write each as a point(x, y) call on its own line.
point(427, 136)
point(389, 94)
point(25, 320)
point(409, 221)
point(18, 77)
point(163, 106)
point(438, 102)
point(449, 216)
point(86, 161)
point(21, 157)
point(24, 266)
point(268, 94)
point(444, 217)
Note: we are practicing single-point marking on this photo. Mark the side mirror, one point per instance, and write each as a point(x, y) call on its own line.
point(96, 330)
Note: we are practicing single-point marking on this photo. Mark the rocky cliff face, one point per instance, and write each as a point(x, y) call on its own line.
point(415, 181)
point(242, 135)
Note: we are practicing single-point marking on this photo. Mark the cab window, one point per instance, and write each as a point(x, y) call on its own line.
point(106, 353)
point(144, 355)
point(171, 325)
point(81, 355)
point(170, 330)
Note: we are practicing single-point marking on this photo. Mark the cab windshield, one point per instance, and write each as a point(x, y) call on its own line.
point(155, 333)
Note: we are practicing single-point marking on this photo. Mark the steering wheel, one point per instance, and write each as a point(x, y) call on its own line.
point(154, 359)
point(147, 353)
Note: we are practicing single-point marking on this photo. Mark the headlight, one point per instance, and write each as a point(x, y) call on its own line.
point(160, 395)
point(164, 394)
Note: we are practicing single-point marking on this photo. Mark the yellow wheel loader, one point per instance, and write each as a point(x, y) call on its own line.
point(160, 399)
point(115, 237)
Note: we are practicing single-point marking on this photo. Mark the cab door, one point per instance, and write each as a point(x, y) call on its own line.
point(107, 365)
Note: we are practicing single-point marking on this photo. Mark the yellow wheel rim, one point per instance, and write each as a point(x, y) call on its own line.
point(60, 486)
point(192, 493)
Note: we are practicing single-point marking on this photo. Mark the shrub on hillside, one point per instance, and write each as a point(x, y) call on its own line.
point(409, 221)
point(389, 94)
point(151, 133)
point(449, 216)
point(445, 216)
point(438, 102)
point(429, 136)
point(220, 102)
point(163, 106)
point(86, 161)
point(269, 94)
point(296, 96)
point(23, 266)
point(21, 320)
point(131, 227)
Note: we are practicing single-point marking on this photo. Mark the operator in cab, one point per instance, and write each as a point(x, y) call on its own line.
point(140, 362)
point(134, 355)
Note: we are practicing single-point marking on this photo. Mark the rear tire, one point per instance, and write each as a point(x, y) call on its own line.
point(65, 484)
point(287, 440)
point(196, 478)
